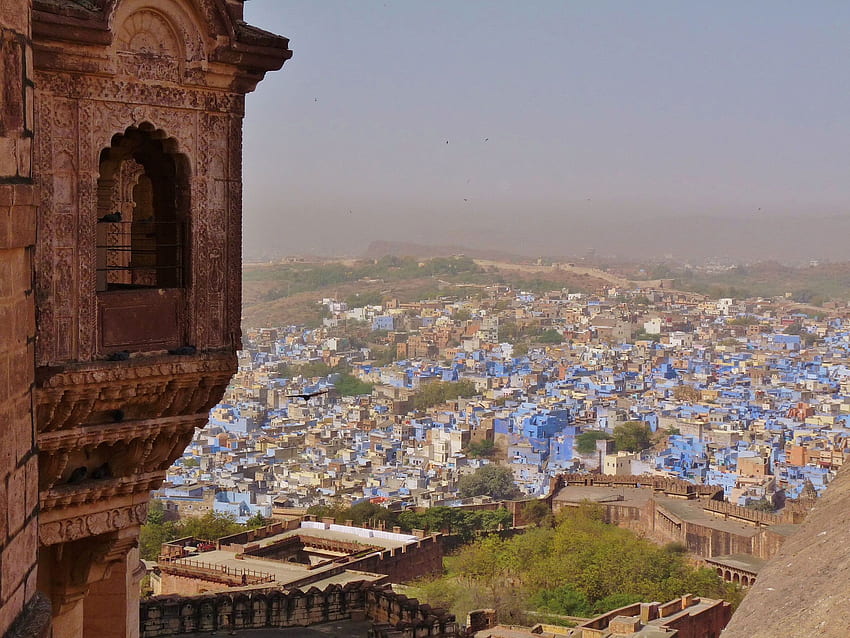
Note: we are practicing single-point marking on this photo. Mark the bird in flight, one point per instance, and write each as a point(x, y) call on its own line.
point(308, 395)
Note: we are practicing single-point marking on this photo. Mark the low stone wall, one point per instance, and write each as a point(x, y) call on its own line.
point(746, 514)
point(394, 614)
point(670, 486)
point(236, 542)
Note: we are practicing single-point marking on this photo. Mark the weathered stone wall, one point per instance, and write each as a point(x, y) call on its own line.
point(174, 615)
point(670, 486)
point(18, 458)
point(663, 525)
point(187, 586)
point(406, 563)
point(707, 622)
point(747, 514)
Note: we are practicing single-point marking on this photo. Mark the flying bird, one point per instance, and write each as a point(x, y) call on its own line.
point(308, 395)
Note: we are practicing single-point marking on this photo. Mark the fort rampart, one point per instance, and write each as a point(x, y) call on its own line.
point(392, 614)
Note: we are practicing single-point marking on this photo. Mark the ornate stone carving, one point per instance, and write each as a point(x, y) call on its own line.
point(78, 527)
point(146, 388)
point(62, 496)
point(173, 72)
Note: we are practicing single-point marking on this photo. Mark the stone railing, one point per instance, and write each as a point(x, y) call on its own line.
point(393, 614)
point(670, 486)
point(757, 517)
point(230, 576)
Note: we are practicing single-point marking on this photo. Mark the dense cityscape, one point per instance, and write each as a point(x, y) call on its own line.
point(747, 395)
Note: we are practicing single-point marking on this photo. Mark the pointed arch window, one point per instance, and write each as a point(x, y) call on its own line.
point(142, 243)
point(142, 211)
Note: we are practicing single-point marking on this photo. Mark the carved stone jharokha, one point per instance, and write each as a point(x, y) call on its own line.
point(137, 164)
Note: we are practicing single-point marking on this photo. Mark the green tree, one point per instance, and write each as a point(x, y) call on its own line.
point(210, 526)
point(482, 449)
point(537, 512)
point(586, 441)
point(257, 520)
point(551, 336)
point(437, 392)
point(582, 566)
point(156, 512)
point(350, 386)
point(565, 600)
point(152, 536)
point(632, 436)
point(367, 512)
point(359, 514)
point(762, 505)
point(156, 531)
point(489, 480)
point(462, 315)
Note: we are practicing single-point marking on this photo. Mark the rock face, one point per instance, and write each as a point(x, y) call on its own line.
point(120, 240)
point(803, 591)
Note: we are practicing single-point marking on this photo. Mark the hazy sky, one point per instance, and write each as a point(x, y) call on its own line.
point(532, 125)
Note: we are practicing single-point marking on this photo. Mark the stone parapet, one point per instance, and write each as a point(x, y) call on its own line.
point(165, 616)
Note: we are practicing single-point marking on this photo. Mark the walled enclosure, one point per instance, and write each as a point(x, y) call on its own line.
point(120, 240)
point(656, 516)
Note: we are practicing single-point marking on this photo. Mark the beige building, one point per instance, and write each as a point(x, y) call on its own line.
point(619, 464)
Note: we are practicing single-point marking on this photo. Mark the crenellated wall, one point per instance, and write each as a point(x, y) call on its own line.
point(165, 616)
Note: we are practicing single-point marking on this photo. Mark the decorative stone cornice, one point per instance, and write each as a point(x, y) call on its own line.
point(63, 496)
point(142, 388)
point(94, 435)
point(93, 524)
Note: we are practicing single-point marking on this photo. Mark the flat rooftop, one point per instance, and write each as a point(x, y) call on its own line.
point(286, 573)
point(387, 540)
point(625, 496)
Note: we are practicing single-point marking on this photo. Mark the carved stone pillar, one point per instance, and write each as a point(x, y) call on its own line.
point(67, 572)
point(118, 594)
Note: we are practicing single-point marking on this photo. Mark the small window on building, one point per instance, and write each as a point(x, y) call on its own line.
point(142, 210)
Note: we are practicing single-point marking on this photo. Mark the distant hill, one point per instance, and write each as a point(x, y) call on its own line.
point(286, 292)
point(382, 248)
point(813, 284)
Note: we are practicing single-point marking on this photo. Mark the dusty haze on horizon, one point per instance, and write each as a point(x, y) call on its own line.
point(650, 128)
